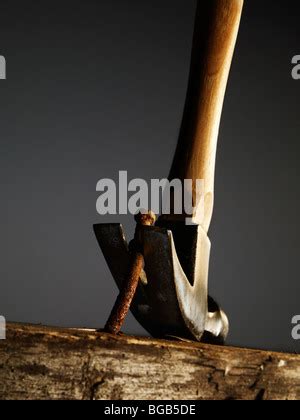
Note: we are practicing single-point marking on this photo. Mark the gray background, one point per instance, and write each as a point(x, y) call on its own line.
point(95, 87)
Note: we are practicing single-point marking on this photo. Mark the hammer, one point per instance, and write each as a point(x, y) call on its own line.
point(168, 275)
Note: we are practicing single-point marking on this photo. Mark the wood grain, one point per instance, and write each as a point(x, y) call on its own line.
point(51, 363)
point(216, 29)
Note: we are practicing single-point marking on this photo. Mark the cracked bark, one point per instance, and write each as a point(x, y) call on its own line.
point(51, 363)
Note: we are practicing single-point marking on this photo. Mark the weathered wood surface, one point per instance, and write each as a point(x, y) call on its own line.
point(50, 363)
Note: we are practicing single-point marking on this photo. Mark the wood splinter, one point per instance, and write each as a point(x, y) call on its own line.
point(125, 298)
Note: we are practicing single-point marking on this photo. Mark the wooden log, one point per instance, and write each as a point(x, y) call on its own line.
point(37, 362)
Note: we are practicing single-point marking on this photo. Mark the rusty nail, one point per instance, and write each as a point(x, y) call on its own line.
point(125, 298)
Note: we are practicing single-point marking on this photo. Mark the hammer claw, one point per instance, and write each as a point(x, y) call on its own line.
point(168, 304)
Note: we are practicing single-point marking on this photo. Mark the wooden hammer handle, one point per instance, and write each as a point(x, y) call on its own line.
point(216, 29)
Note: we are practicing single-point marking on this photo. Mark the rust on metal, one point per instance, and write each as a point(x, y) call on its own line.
point(128, 290)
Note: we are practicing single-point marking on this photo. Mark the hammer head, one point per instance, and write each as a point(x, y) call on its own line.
point(172, 297)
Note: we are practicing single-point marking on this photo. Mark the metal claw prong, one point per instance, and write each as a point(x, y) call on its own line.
point(169, 303)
